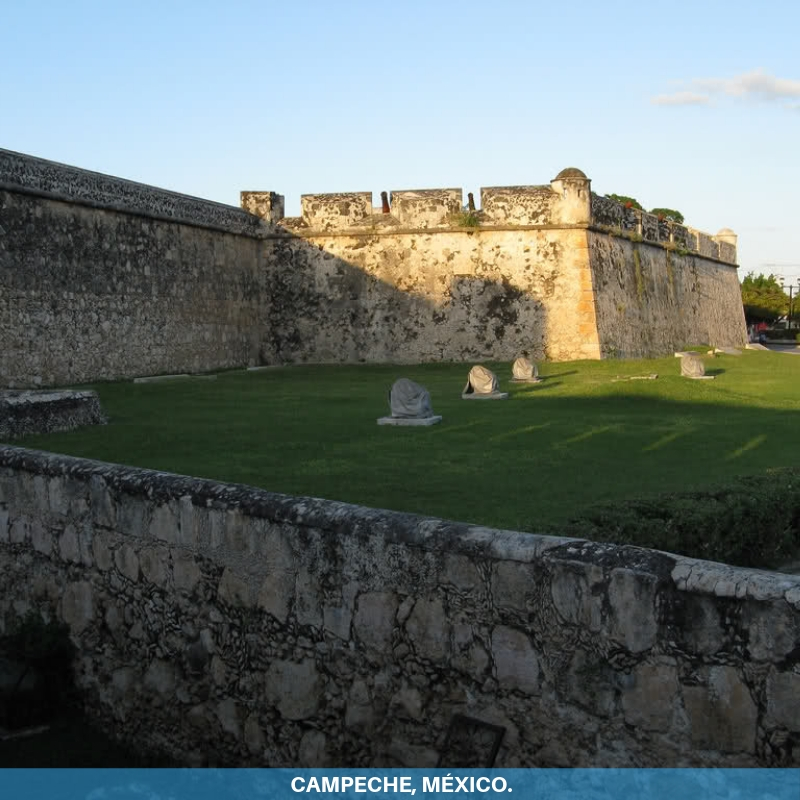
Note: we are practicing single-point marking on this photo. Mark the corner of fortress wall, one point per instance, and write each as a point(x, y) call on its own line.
point(172, 284)
point(554, 270)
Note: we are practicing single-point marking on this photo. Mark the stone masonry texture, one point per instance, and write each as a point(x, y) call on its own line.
point(227, 625)
point(102, 278)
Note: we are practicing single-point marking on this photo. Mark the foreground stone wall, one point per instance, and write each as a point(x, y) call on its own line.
point(102, 278)
point(225, 624)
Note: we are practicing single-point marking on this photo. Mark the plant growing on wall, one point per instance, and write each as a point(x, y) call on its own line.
point(628, 202)
point(668, 213)
point(465, 219)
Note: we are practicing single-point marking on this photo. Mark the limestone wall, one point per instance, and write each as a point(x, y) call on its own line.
point(102, 278)
point(428, 295)
point(652, 300)
point(225, 624)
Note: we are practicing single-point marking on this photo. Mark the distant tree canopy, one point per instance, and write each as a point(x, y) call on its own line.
point(668, 213)
point(621, 198)
point(763, 298)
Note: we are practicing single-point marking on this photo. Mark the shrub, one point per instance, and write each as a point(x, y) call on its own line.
point(630, 202)
point(465, 219)
point(752, 522)
point(668, 213)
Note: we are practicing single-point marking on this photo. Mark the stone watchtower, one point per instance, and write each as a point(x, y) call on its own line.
point(575, 194)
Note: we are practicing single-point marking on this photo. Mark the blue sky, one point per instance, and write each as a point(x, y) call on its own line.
point(688, 105)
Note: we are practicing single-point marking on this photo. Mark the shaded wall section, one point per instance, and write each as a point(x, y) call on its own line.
point(102, 278)
point(653, 299)
point(229, 625)
point(416, 296)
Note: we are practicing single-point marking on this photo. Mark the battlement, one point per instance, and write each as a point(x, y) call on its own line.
point(518, 205)
point(611, 214)
point(565, 201)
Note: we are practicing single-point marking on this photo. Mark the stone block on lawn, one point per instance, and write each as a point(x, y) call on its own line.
point(692, 367)
point(482, 384)
point(523, 371)
point(409, 404)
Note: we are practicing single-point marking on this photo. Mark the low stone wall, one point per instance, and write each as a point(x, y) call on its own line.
point(23, 413)
point(224, 624)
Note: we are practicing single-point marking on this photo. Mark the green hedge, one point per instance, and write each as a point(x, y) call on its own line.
point(753, 522)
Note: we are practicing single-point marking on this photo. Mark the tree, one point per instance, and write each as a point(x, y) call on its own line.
point(763, 298)
point(626, 201)
point(668, 213)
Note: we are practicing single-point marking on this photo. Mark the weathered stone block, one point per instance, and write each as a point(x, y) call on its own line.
point(187, 528)
point(773, 630)
point(632, 598)
point(783, 700)
point(516, 663)
point(77, 606)
point(307, 601)
point(132, 515)
point(127, 562)
point(573, 598)
point(312, 752)
point(185, 572)
point(228, 715)
point(722, 712)
point(41, 538)
point(68, 545)
point(102, 503)
point(359, 713)
point(702, 628)
point(336, 620)
point(160, 677)
point(103, 556)
point(650, 703)
point(373, 621)
point(19, 530)
point(234, 591)
point(294, 688)
point(511, 582)
point(429, 630)
point(254, 735)
point(153, 562)
point(164, 525)
point(460, 572)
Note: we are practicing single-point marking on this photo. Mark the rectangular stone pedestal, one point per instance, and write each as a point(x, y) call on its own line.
point(409, 421)
point(492, 396)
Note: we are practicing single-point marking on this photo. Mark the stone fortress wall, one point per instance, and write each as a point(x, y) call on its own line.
point(552, 270)
point(224, 623)
point(103, 278)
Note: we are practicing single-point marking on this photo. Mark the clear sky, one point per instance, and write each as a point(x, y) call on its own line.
point(686, 105)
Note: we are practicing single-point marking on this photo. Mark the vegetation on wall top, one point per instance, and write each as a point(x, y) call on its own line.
point(628, 202)
point(668, 213)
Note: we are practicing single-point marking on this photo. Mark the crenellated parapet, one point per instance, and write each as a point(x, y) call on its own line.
point(614, 216)
point(426, 208)
point(564, 202)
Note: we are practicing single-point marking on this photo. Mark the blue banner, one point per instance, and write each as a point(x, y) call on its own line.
point(281, 784)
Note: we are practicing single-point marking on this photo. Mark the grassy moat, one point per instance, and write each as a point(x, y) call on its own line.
point(589, 435)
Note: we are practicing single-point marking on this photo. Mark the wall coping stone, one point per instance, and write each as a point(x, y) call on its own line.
point(687, 574)
point(26, 174)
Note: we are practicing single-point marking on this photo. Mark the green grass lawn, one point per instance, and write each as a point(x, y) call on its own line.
point(535, 460)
